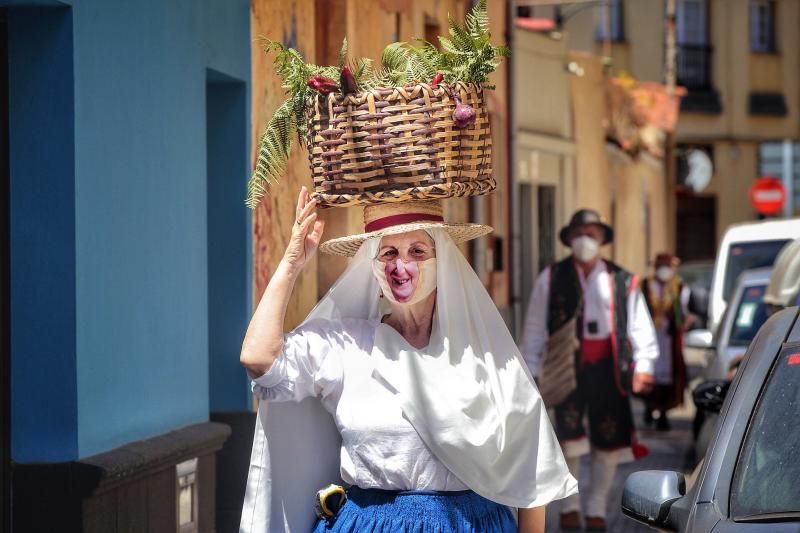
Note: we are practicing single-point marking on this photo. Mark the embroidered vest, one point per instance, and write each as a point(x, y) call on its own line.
point(675, 313)
point(563, 303)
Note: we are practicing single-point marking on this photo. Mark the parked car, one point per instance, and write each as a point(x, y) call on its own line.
point(741, 321)
point(748, 481)
point(744, 247)
point(697, 276)
point(697, 273)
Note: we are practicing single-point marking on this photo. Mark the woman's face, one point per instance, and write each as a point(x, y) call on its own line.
point(400, 256)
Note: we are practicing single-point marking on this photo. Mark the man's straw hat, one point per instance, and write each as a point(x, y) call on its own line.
point(402, 217)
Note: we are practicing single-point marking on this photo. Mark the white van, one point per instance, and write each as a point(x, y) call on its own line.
point(744, 247)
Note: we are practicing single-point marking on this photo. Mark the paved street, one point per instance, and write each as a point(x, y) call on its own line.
point(667, 452)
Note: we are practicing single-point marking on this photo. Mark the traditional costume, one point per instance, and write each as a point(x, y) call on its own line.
point(606, 314)
point(432, 439)
point(668, 301)
point(442, 438)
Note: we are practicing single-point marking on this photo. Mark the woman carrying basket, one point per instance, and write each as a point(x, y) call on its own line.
point(441, 426)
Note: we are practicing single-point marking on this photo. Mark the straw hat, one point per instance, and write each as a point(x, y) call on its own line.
point(402, 217)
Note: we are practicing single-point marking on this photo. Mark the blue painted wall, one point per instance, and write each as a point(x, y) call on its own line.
point(140, 216)
point(44, 412)
point(228, 279)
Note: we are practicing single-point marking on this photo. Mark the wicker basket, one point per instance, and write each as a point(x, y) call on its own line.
point(397, 144)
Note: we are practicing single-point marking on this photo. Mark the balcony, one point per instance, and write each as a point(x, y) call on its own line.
point(694, 73)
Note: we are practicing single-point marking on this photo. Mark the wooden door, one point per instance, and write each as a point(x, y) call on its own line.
point(696, 227)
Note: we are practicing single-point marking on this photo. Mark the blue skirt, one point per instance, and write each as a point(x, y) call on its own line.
point(418, 512)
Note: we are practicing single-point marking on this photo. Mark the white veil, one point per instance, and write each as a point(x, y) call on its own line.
point(469, 396)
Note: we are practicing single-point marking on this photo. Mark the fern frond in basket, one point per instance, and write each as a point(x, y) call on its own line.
point(467, 56)
point(273, 151)
point(288, 120)
point(400, 65)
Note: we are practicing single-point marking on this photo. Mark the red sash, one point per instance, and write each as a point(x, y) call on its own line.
point(595, 350)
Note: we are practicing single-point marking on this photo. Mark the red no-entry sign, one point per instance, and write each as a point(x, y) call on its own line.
point(768, 195)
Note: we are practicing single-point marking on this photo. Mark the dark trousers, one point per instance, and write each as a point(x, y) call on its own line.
point(597, 395)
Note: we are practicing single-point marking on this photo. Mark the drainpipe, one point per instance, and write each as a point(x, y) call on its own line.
point(788, 178)
point(514, 229)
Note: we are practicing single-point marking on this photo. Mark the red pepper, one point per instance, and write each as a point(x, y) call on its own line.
point(348, 82)
point(436, 79)
point(322, 85)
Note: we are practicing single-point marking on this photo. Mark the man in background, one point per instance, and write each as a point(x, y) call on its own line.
point(612, 354)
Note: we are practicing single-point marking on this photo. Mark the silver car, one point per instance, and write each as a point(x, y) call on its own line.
point(743, 317)
point(748, 481)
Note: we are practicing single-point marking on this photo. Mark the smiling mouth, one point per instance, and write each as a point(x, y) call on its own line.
point(400, 282)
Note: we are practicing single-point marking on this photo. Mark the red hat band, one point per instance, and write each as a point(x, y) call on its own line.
point(399, 219)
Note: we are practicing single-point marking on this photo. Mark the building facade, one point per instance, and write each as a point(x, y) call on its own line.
point(738, 61)
point(125, 258)
point(583, 140)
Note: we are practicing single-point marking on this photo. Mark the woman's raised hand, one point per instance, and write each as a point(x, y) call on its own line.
point(263, 341)
point(306, 233)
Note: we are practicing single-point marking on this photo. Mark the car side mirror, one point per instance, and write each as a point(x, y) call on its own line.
point(701, 339)
point(710, 395)
point(649, 495)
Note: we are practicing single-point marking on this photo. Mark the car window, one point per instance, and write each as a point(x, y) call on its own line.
point(746, 255)
point(768, 469)
point(751, 314)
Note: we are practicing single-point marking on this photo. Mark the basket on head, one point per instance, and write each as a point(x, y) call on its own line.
point(397, 144)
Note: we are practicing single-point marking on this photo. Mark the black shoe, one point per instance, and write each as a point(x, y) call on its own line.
point(663, 423)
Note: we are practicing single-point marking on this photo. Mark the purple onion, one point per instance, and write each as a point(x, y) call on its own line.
point(463, 116)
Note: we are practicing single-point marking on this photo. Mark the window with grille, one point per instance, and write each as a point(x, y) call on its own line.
point(691, 22)
point(613, 11)
point(694, 52)
point(762, 25)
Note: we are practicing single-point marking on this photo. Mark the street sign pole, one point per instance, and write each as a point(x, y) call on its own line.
point(788, 178)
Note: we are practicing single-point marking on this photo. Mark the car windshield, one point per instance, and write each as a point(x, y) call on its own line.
point(765, 481)
point(750, 316)
point(746, 255)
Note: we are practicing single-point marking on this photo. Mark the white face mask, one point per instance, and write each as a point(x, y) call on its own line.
point(664, 273)
point(585, 248)
point(426, 280)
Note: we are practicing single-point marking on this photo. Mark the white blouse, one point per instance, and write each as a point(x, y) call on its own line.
point(380, 448)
